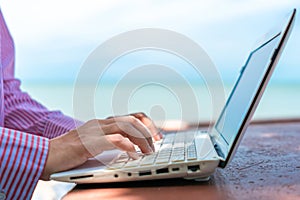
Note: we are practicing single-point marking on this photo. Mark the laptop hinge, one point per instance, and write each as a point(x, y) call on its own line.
point(219, 152)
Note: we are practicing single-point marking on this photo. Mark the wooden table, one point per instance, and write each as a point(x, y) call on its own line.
point(266, 166)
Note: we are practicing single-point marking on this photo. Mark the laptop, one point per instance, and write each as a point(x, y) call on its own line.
point(195, 154)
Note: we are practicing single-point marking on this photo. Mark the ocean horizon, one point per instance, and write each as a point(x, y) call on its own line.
point(280, 100)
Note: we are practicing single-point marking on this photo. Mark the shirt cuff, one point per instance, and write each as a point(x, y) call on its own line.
point(24, 158)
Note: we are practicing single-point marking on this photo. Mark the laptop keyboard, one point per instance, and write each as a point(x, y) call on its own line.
point(174, 147)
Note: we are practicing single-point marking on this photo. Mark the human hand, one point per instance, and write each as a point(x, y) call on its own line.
point(155, 132)
point(95, 136)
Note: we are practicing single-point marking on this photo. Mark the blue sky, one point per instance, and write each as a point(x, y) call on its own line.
point(53, 38)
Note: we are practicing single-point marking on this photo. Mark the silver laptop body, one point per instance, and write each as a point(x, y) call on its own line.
point(195, 154)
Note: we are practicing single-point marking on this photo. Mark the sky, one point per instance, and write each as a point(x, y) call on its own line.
point(53, 38)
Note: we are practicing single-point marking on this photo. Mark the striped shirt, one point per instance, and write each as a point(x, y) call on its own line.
point(25, 128)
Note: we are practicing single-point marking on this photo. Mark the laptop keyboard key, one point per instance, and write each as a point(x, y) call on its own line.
point(191, 151)
point(148, 159)
point(116, 165)
point(132, 163)
point(173, 148)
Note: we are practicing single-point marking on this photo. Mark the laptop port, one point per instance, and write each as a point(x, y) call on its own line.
point(193, 168)
point(81, 177)
point(145, 173)
point(175, 169)
point(162, 171)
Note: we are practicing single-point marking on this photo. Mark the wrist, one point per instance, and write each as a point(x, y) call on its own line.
point(65, 152)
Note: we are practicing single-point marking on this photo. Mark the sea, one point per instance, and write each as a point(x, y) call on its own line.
point(191, 103)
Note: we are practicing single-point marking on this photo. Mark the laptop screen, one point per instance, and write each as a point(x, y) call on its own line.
point(244, 91)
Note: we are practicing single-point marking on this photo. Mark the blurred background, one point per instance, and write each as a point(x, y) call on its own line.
point(53, 39)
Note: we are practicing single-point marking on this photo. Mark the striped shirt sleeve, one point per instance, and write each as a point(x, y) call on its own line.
point(22, 160)
point(25, 114)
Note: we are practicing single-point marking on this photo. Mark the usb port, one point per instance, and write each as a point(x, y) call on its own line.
point(162, 171)
point(145, 173)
